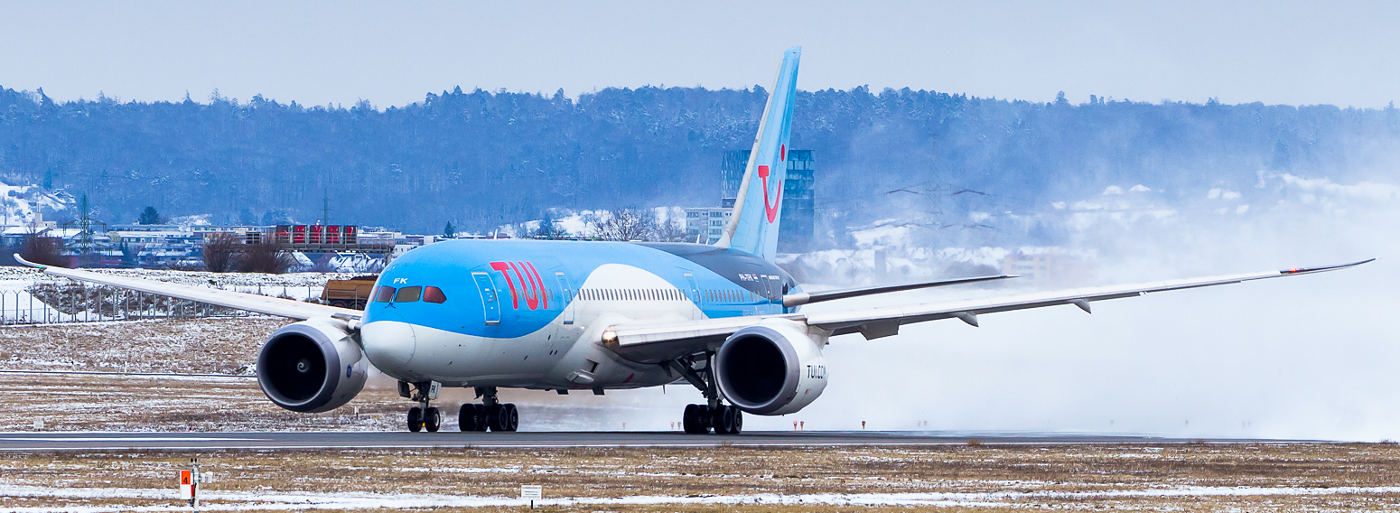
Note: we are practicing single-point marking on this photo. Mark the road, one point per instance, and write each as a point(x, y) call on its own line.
point(348, 440)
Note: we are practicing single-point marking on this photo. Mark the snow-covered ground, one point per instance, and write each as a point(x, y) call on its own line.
point(76, 302)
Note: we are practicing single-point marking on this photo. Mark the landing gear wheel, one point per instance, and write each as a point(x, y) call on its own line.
point(696, 419)
point(738, 421)
point(493, 417)
point(723, 420)
point(482, 423)
point(432, 419)
point(509, 417)
point(415, 419)
point(468, 416)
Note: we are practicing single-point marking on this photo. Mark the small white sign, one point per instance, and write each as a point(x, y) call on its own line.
point(531, 492)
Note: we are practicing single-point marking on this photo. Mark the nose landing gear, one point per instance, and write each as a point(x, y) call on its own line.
point(422, 417)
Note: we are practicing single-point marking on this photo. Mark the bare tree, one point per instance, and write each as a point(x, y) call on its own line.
point(669, 231)
point(322, 264)
point(131, 254)
point(42, 249)
point(265, 257)
point(624, 224)
point(550, 230)
point(218, 252)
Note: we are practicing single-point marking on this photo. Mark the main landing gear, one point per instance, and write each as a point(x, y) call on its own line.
point(701, 418)
point(489, 414)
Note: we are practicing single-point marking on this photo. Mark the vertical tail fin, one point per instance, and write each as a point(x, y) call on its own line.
point(754, 225)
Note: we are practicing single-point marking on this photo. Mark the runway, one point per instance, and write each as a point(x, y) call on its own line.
point(72, 441)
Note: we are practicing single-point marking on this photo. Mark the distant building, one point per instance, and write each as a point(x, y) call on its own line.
point(798, 210)
point(1048, 265)
point(706, 224)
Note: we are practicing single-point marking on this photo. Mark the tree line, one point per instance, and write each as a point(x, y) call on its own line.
point(484, 159)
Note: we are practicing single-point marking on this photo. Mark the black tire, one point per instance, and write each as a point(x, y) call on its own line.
point(510, 417)
point(696, 419)
point(415, 419)
point(738, 421)
point(493, 417)
point(503, 417)
point(432, 419)
point(467, 417)
point(481, 421)
point(723, 420)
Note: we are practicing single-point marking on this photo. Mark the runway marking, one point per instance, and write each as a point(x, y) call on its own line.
point(124, 439)
point(12, 442)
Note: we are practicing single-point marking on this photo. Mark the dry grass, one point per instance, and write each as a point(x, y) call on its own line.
point(1037, 476)
point(220, 346)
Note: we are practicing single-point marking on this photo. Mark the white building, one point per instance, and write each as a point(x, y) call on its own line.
point(705, 224)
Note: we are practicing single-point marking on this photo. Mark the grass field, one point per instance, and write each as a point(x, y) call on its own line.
point(1192, 477)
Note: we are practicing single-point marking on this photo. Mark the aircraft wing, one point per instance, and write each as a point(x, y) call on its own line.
point(281, 307)
point(662, 342)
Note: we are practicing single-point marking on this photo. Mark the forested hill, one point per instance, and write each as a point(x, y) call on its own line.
point(481, 159)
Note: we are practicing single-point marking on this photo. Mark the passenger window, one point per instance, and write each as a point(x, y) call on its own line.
point(434, 295)
point(385, 295)
point(408, 294)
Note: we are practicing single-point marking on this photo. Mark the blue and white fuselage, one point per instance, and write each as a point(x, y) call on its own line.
point(527, 313)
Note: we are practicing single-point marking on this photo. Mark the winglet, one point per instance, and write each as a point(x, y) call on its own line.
point(1306, 270)
point(22, 261)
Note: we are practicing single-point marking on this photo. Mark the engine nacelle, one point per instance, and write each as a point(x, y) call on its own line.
point(772, 368)
point(312, 366)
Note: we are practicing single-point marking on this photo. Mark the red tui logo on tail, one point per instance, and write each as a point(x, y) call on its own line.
point(772, 209)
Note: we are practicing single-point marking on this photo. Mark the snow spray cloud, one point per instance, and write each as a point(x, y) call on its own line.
point(1306, 357)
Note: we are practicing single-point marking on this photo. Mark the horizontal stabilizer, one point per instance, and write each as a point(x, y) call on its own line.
point(803, 298)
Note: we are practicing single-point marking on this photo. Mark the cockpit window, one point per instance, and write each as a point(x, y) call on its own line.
point(434, 295)
point(408, 294)
point(385, 294)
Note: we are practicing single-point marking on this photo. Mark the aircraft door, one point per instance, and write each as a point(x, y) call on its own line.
point(490, 303)
point(567, 290)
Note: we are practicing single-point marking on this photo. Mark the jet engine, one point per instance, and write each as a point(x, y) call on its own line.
point(312, 366)
point(772, 368)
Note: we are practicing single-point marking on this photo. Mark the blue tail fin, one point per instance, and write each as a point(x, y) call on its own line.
point(754, 225)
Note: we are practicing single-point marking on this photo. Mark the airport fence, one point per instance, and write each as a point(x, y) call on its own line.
point(50, 303)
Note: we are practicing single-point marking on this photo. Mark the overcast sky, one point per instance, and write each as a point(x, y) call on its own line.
point(1340, 53)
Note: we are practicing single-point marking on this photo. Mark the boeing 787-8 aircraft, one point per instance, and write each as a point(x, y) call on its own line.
point(564, 315)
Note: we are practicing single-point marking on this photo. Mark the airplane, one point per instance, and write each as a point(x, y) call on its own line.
point(596, 316)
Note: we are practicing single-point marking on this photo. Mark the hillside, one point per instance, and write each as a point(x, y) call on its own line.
point(481, 159)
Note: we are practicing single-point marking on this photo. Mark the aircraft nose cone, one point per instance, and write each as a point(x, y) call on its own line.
point(389, 345)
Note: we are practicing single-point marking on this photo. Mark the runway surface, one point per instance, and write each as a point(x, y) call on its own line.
point(365, 440)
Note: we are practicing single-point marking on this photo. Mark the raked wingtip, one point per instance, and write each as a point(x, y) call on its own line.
point(1306, 270)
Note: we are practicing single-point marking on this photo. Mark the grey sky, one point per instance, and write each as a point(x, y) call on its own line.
point(320, 52)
